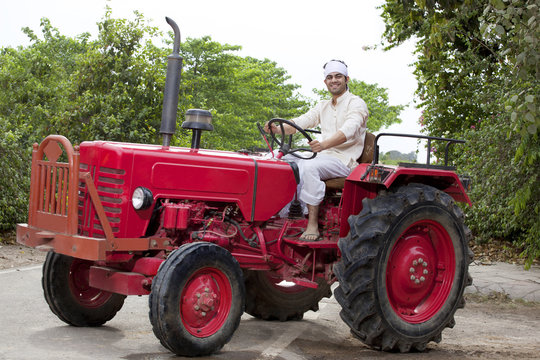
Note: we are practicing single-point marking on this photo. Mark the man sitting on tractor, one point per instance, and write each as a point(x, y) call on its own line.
point(342, 121)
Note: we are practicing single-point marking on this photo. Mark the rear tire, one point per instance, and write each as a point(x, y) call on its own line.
point(404, 268)
point(66, 290)
point(268, 299)
point(197, 299)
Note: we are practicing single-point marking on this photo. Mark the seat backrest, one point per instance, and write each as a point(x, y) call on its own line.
point(366, 157)
point(369, 148)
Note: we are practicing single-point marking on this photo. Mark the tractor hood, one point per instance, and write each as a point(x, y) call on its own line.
point(260, 187)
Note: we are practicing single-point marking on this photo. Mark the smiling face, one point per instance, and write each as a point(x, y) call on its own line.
point(336, 83)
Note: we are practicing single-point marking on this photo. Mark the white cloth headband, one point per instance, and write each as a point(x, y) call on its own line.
point(335, 66)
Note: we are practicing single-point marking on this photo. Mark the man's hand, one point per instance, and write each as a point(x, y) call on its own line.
point(337, 139)
point(277, 129)
point(316, 146)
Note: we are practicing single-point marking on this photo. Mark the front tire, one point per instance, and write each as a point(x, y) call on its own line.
point(404, 268)
point(197, 299)
point(69, 295)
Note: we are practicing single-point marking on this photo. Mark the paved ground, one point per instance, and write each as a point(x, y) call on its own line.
point(483, 330)
point(509, 279)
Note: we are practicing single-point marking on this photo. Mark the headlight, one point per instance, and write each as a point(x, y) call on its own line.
point(142, 198)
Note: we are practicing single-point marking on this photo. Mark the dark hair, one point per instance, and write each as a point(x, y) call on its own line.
point(341, 61)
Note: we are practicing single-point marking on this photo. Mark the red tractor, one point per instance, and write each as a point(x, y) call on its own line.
point(199, 231)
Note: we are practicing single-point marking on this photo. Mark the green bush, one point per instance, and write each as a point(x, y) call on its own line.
point(15, 179)
point(477, 71)
point(497, 177)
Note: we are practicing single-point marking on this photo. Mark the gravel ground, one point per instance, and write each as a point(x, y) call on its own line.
point(12, 256)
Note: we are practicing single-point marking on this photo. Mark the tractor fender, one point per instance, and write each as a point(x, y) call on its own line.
point(367, 180)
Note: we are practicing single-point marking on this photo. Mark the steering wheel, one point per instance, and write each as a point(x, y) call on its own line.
point(285, 148)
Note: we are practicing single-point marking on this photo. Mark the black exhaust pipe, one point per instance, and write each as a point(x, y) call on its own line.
point(172, 88)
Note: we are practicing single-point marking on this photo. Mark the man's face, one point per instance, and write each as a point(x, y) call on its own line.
point(336, 83)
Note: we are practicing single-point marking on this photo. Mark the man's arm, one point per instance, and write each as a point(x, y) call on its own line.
point(337, 139)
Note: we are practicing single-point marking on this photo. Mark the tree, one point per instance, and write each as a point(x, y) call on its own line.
point(117, 84)
point(34, 94)
point(477, 73)
point(239, 92)
point(35, 82)
point(15, 178)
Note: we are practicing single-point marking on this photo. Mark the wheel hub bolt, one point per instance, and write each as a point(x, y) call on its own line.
point(198, 295)
point(206, 290)
point(196, 307)
point(203, 313)
point(412, 270)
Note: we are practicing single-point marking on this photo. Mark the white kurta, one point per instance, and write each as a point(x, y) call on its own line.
point(349, 116)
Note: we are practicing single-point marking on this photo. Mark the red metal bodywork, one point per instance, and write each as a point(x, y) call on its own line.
point(81, 207)
point(186, 174)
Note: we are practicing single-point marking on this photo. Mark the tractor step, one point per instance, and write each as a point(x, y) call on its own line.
point(321, 244)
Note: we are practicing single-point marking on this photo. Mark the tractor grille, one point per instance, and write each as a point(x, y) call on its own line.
point(110, 186)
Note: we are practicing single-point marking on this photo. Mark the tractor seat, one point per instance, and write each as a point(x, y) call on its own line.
point(366, 157)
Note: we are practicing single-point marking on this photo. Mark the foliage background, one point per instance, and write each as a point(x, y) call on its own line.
point(478, 77)
point(110, 88)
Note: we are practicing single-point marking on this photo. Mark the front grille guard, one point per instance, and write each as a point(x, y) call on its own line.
point(53, 209)
point(54, 188)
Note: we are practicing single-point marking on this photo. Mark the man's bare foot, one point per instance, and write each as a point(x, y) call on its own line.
point(312, 228)
point(310, 236)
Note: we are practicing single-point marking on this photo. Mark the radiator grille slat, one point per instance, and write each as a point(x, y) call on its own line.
point(109, 183)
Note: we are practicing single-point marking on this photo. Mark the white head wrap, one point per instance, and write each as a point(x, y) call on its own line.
point(335, 66)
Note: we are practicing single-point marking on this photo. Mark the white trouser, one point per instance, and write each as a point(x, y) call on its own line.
point(313, 172)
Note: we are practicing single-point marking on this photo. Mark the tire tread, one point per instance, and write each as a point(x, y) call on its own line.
point(361, 250)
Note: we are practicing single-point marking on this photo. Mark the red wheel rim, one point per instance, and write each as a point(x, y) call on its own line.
point(206, 301)
point(420, 271)
point(83, 293)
